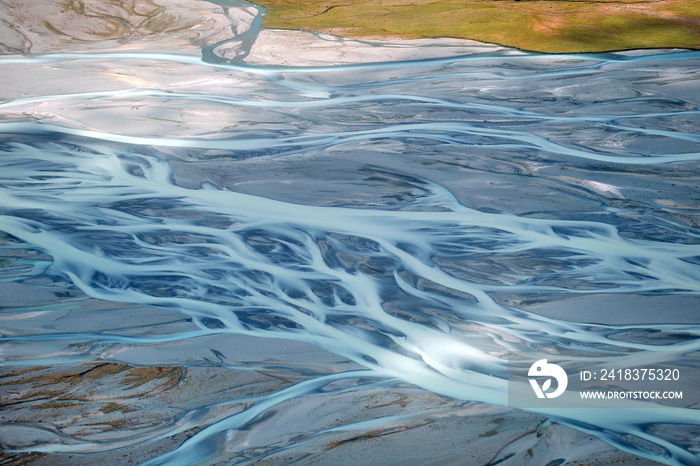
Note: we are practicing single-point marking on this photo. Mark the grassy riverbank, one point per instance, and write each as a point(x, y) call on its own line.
point(538, 25)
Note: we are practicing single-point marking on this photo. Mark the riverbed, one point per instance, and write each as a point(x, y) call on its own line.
point(222, 243)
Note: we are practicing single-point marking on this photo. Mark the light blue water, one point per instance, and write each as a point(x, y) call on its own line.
point(402, 215)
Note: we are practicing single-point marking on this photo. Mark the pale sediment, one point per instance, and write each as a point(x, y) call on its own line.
point(302, 48)
point(56, 26)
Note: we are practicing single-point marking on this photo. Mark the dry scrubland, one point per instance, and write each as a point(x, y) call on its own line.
point(546, 26)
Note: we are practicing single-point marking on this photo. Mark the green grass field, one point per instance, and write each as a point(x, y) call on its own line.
point(552, 26)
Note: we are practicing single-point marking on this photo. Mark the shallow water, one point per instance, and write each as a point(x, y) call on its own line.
point(422, 219)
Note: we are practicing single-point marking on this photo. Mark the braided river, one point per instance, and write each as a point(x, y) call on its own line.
point(413, 223)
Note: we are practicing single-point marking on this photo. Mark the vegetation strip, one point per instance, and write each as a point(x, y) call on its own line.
point(551, 26)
